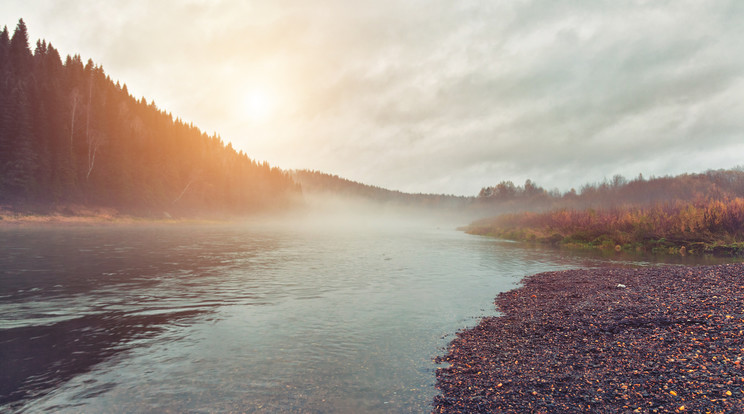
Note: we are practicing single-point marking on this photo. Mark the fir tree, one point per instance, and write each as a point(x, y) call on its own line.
point(19, 52)
point(17, 169)
point(4, 49)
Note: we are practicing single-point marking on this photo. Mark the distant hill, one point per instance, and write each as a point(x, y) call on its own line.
point(69, 135)
point(322, 184)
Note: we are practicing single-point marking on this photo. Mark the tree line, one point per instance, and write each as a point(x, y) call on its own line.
point(618, 192)
point(506, 197)
point(70, 135)
point(316, 182)
point(686, 214)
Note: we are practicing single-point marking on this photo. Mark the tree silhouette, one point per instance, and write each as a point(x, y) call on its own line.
point(69, 135)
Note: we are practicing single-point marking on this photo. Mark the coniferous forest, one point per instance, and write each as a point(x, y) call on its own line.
point(71, 136)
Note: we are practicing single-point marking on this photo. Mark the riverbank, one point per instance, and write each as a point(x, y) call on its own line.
point(653, 246)
point(81, 216)
point(10, 218)
point(701, 227)
point(61, 220)
point(656, 339)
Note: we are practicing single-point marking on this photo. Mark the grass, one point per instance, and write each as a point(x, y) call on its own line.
point(680, 228)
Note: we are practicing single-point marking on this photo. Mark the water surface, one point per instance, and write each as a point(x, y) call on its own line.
point(252, 318)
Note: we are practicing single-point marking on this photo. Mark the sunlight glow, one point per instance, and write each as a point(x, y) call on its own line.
point(258, 104)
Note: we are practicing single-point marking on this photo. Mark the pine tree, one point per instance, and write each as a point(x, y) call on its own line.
point(5, 104)
point(4, 49)
point(18, 168)
point(19, 51)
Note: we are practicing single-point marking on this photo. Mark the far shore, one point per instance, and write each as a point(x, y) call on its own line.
point(101, 217)
point(94, 217)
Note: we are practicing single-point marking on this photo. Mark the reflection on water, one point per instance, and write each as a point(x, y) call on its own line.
point(254, 318)
point(36, 358)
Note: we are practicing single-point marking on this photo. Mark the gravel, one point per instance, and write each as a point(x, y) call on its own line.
point(654, 339)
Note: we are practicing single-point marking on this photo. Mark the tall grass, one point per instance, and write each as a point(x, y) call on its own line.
point(688, 227)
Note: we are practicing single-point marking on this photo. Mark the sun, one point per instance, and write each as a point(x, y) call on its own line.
point(258, 104)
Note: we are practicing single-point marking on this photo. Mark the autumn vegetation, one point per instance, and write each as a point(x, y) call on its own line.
point(700, 213)
point(506, 197)
point(695, 227)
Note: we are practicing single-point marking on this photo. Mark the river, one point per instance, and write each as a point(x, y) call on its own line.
point(248, 318)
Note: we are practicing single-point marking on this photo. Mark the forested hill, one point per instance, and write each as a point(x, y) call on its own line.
point(69, 135)
point(318, 183)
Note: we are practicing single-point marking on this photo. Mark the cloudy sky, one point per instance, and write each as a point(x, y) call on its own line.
point(431, 95)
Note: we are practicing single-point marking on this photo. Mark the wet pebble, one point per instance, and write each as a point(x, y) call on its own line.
point(573, 341)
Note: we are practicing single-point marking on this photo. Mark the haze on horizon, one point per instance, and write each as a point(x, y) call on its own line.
point(429, 96)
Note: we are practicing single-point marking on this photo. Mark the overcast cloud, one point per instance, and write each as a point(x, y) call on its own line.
point(432, 95)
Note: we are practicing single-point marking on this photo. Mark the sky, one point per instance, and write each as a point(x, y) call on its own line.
point(432, 96)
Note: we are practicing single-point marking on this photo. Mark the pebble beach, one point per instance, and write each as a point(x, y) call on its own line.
point(654, 339)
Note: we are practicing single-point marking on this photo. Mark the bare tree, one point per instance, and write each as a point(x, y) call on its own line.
point(95, 140)
point(75, 99)
point(87, 113)
point(193, 176)
point(184, 191)
point(93, 137)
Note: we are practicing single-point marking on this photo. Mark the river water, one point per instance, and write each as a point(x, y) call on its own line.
point(242, 318)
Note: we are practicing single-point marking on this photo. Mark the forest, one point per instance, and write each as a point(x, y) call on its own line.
point(714, 184)
point(686, 214)
point(71, 136)
point(323, 184)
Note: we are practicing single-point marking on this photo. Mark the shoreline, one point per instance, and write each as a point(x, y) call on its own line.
point(96, 217)
point(58, 220)
point(661, 246)
point(73, 215)
point(670, 340)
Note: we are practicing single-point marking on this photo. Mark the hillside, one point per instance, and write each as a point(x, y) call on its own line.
point(71, 136)
point(318, 183)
